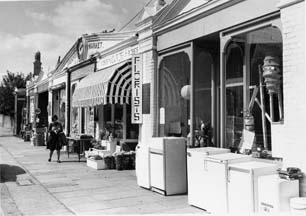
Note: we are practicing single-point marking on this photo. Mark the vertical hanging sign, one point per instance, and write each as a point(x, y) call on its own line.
point(137, 89)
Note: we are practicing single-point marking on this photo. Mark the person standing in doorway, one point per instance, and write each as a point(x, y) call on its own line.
point(54, 143)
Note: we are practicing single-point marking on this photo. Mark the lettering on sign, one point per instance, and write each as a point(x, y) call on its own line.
point(137, 89)
point(95, 45)
point(117, 57)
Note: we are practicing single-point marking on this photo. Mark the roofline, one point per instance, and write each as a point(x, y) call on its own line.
point(84, 63)
point(194, 14)
point(119, 46)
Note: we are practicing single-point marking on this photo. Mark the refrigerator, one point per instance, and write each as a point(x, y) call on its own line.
point(168, 171)
point(215, 178)
point(274, 193)
point(243, 184)
point(142, 166)
point(196, 166)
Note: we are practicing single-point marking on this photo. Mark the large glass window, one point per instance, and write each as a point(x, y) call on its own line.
point(174, 111)
point(234, 95)
point(74, 115)
point(203, 72)
point(254, 87)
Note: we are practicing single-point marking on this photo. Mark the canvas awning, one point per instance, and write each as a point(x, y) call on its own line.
point(111, 85)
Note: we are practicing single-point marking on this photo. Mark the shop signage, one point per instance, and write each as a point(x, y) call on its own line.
point(137, 89)
point(118, 57)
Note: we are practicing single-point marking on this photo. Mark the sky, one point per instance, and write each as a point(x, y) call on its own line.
point(52, 26)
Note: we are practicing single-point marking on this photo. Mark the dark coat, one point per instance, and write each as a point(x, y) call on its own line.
point(55, 140)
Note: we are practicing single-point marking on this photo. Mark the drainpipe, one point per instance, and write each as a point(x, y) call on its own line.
point(68, 106)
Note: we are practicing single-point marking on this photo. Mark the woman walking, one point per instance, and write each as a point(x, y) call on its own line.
point(54, 142)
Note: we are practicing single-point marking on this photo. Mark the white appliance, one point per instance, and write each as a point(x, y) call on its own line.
point(196, 167)
point(243, 184)
point(168, 172)
point(142, 166)
point(274, 193)
point(214, 183)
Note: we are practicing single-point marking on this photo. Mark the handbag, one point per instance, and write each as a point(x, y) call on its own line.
point(62, 138)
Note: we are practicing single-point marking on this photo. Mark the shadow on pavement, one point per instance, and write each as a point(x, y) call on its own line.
point(9, 172)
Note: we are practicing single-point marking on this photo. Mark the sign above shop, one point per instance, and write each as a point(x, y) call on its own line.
point(118, 57)
point(137, 89)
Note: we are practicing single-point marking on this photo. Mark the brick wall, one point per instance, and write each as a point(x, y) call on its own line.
point(289, 138)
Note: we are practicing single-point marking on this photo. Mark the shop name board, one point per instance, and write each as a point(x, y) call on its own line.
point(95, 45)
point(117, 57)
point(136, 89)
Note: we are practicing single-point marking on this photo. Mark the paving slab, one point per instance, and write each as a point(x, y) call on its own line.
point(72, 188)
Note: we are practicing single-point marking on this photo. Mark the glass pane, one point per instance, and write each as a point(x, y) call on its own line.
point(118, 124)
point(174, 110)
point(202, 100)
point(266, 44)
point(90, 123)
point(74, 120)
point(131, 129)
point(234, 64)
point(234, 95)
point(234, 115)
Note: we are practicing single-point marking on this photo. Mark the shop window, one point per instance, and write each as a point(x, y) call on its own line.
point(118, 122)
point(234, 95)
point(203, 73)
point(74, 115)
point(174, 111)
point(90, 123)
point(62, 106)
point(254, 86)
point(132, 130)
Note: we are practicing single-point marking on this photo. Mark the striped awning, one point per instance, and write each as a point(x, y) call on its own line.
point(111, 85)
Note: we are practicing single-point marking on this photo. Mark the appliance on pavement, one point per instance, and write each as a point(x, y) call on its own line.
point(168, 171)
point(142, 166)
point(213, 179)
point(243, 183)
point(274, 193)
point(196, 166)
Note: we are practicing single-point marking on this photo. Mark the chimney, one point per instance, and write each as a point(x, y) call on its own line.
point(37, 64)
point(58, 61)
point(159, 4)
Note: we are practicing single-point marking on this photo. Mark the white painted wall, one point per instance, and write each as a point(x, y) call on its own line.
point(289, 139)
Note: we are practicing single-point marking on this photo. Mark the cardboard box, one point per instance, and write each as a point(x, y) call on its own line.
point(96, 164)
point(93, 151)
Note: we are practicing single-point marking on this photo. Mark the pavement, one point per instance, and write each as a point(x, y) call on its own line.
point(30, 185)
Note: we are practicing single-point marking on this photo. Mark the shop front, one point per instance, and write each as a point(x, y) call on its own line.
point(223, 80)
point(57, 94)
point(101, 104)
point(214, 109)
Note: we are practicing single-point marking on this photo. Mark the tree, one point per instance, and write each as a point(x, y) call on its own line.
point(10, 81)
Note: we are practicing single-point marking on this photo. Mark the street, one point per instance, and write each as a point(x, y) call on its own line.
point(30, 185)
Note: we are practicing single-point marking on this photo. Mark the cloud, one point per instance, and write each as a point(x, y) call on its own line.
point(17, 53)
point(37, 16)
point(74, 18)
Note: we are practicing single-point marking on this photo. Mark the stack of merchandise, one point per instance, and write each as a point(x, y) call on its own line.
point(290, 173)
point(125, 160)
point(96, 162)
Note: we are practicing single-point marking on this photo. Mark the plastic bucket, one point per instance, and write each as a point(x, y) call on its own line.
point(298, 205)
point(111, 146)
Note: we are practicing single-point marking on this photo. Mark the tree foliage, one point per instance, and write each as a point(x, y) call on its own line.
point(9, 82)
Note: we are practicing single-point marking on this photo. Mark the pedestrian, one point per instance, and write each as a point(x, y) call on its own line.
point(54, 141)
